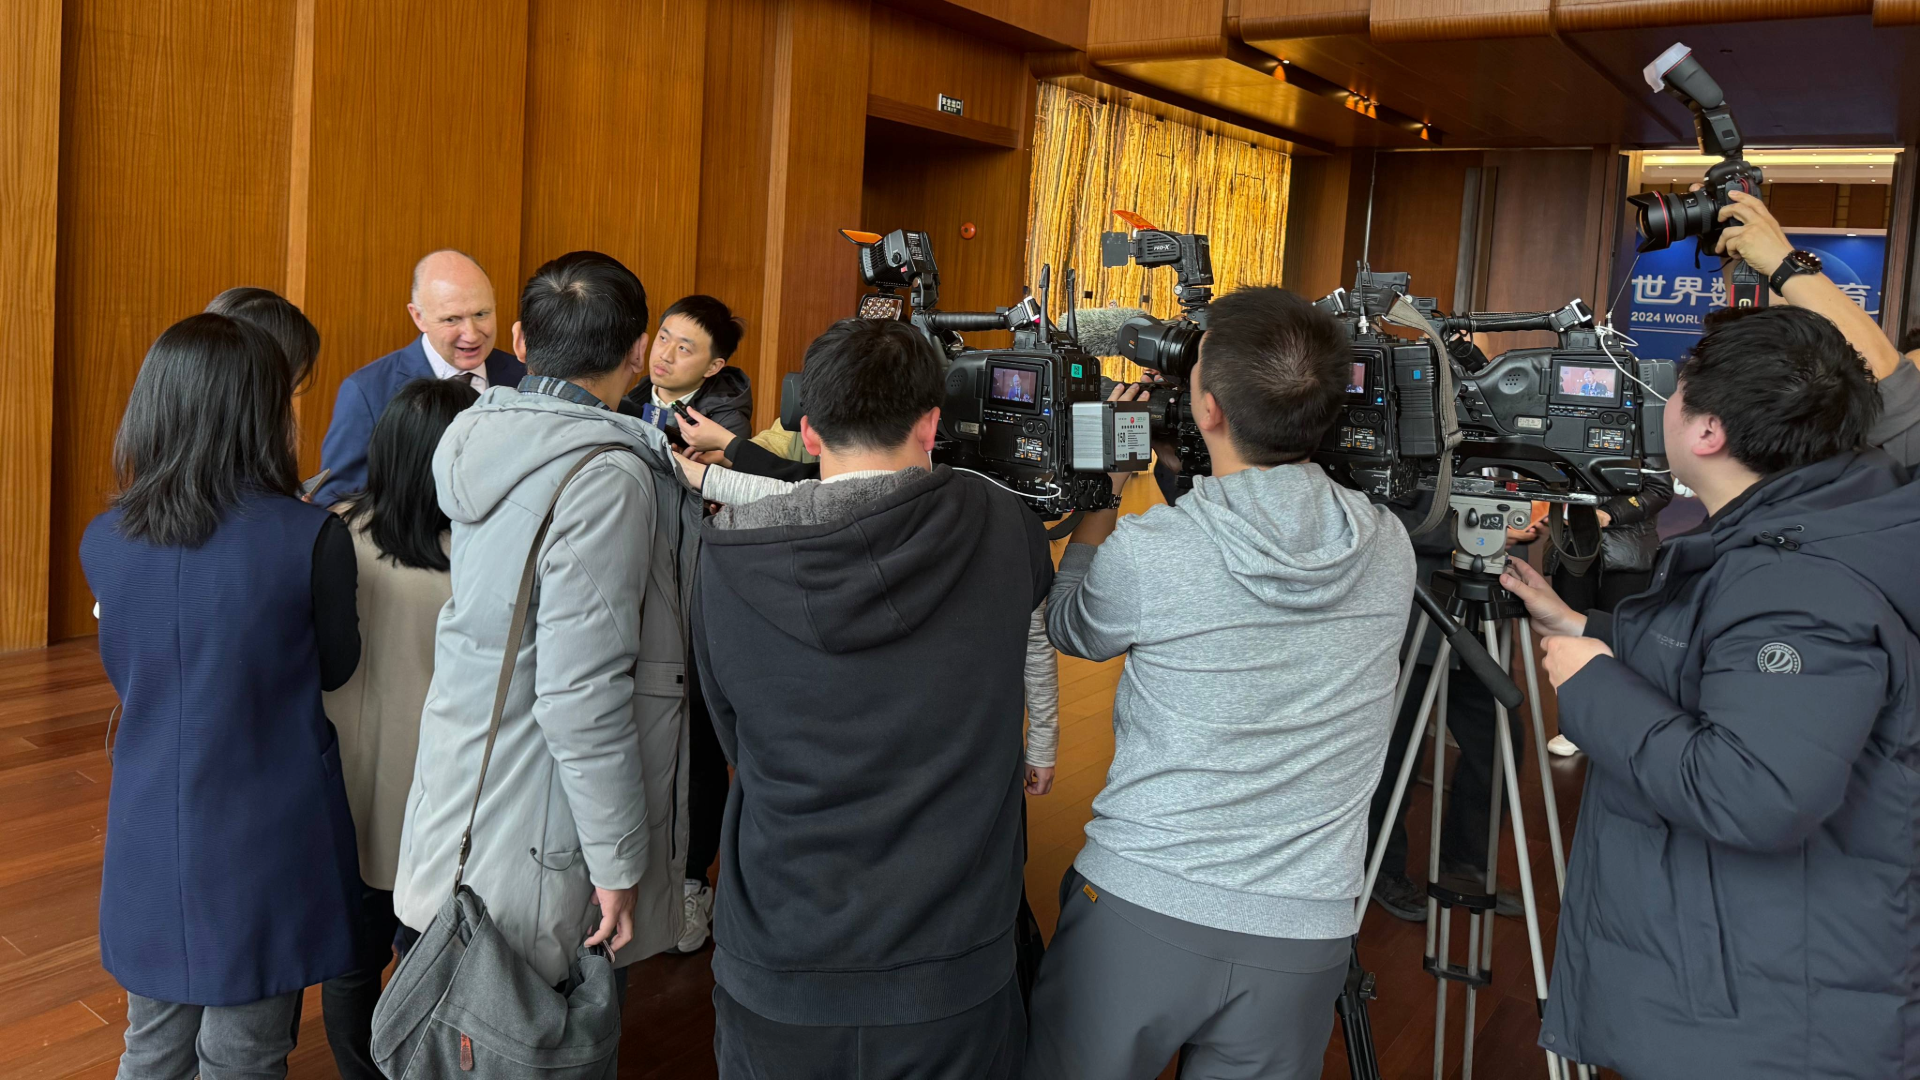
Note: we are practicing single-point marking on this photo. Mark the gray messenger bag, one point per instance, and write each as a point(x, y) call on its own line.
point(461, 1000)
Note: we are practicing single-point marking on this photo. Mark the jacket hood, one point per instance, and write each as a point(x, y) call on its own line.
point(1858, 510)
point(507, 436)
point(1290, 535)
point(851, 564)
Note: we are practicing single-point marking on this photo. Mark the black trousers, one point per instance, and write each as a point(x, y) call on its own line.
point(706, 785)
point(1463, 829)
point(987, 1042)
point(346, 1003)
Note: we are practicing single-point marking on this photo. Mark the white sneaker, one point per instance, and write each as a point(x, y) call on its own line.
point(696, 915)
point(1561, 746)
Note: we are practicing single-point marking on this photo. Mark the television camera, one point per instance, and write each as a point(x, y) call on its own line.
point(1569, 424)
point(1031, 418)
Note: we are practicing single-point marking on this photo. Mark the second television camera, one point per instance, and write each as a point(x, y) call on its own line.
point(1031, 418)
point(1570, 423)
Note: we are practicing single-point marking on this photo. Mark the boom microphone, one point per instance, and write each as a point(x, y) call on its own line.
point(1100, 328)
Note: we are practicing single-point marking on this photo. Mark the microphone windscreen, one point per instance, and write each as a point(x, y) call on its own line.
point(1100, 328)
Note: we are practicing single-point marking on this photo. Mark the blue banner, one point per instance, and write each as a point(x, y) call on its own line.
point(1668, 298)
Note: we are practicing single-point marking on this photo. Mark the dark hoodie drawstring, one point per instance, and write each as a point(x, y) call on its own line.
point(1782, 541)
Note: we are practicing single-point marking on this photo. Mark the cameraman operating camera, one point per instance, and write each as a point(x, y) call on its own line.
point(1741, 886)
point(1261, 619)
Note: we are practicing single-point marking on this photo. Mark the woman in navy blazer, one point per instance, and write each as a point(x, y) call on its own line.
point(231, 880)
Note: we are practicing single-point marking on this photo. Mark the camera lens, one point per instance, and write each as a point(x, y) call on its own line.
point(1664, 219)
point(1170, 348)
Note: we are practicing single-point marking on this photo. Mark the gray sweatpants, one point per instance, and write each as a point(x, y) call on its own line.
point(166, 1041)
point(1122, 989)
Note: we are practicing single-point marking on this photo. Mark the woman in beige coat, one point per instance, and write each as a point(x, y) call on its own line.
point(399, 540)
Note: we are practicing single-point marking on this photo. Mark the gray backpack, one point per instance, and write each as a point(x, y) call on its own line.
point(461, 1000)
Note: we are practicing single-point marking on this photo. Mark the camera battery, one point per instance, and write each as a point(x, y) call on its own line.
point(1112, 436)
point(1414, 378)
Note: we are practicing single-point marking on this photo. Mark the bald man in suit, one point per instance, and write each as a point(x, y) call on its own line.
point(452, 304)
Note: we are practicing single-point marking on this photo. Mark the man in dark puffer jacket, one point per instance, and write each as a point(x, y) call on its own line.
point(1741, 891)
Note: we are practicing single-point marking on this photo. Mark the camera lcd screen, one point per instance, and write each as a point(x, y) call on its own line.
point(1586, 383)
point(1013, 385)
point(1357, 378)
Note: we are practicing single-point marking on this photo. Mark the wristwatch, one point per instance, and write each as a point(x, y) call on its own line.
point(1798, 261)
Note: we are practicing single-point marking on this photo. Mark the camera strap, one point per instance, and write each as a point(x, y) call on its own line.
point(1404, 314)
point(1567, 532)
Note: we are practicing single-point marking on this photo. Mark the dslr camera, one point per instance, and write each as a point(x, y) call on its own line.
point(1665, 219)
point(1031, 418)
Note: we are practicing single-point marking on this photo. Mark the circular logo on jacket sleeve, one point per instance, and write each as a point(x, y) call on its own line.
point(1779, 658)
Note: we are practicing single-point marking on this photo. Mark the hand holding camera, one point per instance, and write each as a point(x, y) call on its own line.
point(1755, 237)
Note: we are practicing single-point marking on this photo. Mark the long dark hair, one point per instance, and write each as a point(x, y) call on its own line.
point(298, 338)
point(211, 416)
point(399, 508)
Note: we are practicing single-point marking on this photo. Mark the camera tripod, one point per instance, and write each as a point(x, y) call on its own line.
point(1469, 599)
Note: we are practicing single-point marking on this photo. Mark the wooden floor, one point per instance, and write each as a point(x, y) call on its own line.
point(62, 1016)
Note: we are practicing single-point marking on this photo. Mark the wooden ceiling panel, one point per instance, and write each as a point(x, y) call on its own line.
point(1824, 82)
point(1235, 86)
point(1441, 20)
point(1499, 92)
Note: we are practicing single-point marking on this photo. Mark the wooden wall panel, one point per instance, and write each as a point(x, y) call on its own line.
point(817, 140)
point(940, 188)
point(1416, 219)
point(735, 159)
point(416, 145)
point(175, 119)
point(613, 139)
point(1540, 257)
point(915, 61)
point(1806, 206)
point(29, 219)
point(1319, 258)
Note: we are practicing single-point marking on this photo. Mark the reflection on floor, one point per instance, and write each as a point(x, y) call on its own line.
point(61, 1015)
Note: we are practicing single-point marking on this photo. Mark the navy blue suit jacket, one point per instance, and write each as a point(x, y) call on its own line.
point(364, 396)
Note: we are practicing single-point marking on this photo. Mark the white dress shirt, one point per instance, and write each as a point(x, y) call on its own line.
point(444, 370)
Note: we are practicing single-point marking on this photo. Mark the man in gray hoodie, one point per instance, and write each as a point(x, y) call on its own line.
point(1261, 620)
point(585, 796)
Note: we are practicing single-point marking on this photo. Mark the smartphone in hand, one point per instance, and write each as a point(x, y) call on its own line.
point(307, 489)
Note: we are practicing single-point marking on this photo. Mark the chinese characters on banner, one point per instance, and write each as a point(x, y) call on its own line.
point(1668, 297)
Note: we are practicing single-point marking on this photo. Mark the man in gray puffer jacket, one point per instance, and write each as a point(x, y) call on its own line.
point(585, 793)
point(1261, 618)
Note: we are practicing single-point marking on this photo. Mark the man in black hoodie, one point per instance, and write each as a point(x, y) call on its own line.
point(1742, 884)
point(861, 641)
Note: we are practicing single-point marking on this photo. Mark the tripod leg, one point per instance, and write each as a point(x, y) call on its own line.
point(1493, 825)
point(1540, 752)
point(1523, 862)
point(1441, 677)
point(1480, 942)
point(1439, 919)
point(1420, 627)
point(1408, 758)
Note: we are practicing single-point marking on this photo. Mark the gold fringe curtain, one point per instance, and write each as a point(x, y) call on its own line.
point(1092, 157)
